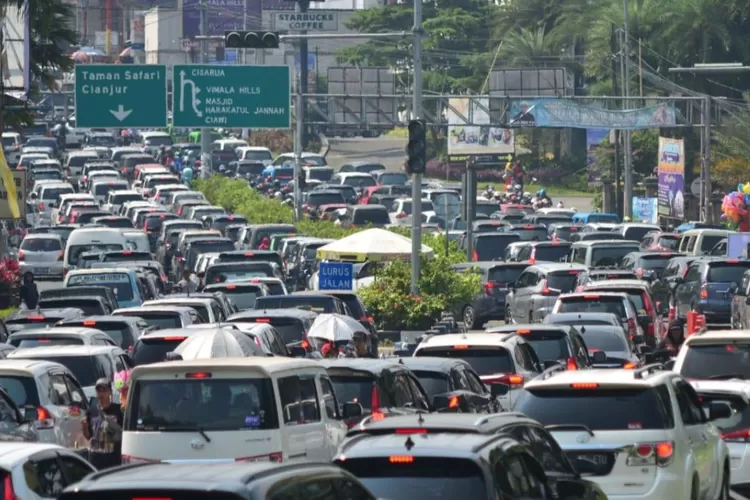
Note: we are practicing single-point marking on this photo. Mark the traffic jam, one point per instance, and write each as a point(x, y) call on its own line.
point(184, 352)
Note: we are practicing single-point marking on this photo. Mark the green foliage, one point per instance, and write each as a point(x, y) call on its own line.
point(389, 299)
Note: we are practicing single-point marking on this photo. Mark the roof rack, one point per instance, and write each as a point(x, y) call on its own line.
point(647, 370)
point(550, 372)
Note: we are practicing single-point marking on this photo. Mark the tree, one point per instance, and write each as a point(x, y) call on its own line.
point(49, 27)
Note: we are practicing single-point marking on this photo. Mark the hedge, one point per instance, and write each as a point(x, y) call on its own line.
point(389, 299)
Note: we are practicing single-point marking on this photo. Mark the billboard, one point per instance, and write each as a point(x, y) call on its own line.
point(472, 135)
point(671, 173)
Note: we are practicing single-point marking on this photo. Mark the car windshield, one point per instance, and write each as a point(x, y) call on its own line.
point(118, 282)
point(319, 174)
point(433, 382)
point(54, 193)
point(610, 256)
point(597, 409)
point(706, 361)
point(726, 272)
point(22, 390)
point(492, 246)
point(564, 281)
point(504, 274)
point(209, 404)
point(425, 477)
point(41, 245)
point(582, 304)
point(483, 361)
point(603, 339)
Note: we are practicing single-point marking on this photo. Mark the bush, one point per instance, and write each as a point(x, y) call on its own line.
point(390, 300)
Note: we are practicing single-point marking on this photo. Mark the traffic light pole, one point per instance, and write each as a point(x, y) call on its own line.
point(303, 6)
point(416, 179)
point(205, 133)
point(299, 132)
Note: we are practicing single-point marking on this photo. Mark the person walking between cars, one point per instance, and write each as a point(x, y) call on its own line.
point(29, 293)
point(358, 348)
point(186, 284)
point(102, 426)
point(674, 338)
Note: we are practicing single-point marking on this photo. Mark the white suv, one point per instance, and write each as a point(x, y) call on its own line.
point(735, 431)
point(641, 434)
point(716, 355)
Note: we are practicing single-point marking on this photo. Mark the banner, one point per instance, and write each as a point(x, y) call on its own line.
point(645, 210)
point(671, 173)
point(9, 182)
point(594, 137)
point(567, 113)
point(482, 142)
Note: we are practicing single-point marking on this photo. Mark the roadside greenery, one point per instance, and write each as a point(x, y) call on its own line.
point(389, 298)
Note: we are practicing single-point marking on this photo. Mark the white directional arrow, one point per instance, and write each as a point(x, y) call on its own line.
point(121, 113)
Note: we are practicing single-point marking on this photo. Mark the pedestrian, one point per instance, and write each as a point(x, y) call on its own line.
point(674, 338)
point(186, 284)
point(186, 176)
point(329, 350)
point(102, 426)
point(358, 347)
point(29, 293)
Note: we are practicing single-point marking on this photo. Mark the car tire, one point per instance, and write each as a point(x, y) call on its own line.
point(725, 485)
point(508, 316)
point(469, 317)
point(695, 489)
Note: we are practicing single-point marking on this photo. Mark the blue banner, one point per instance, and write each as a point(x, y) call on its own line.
point(645, 210)
point(567, 113)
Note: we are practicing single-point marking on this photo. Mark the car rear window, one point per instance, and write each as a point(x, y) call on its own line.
point(485, 361)
point(243, 297)
point(597, 409)
point(433, 382)
point(725, 272)
point(223, 274)
point(549, 345)
point(551, 253)
point(671, 242)
point(325, 198)
point(209, 404)
point(41, 245)
point(603, 339)
point(117, 331)
point(656, 262)
point(451, 477)
point(531, 234)
point(44, 341)
point(395, 178)
point(492, 246)
point(504, 274)
point(291, 329)
point(350, 388)
point(706, 361)
point(612, 305)
point(562, 280)
point(87, 369)
point(636, 233)
point(22, 390)
point(90, 307)
point(54, 193)
point(364, 217)
point(149, 350)
point(161, 319)
point(118, 282)
point(320, 305)
point(610, 256)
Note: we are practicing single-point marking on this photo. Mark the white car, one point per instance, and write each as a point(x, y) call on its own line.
point(639, 434)
point(37, 471)
point(715, 354)
point(402, 209)
point(255, 153)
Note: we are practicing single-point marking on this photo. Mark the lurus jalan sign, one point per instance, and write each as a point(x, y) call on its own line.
point(205, 96)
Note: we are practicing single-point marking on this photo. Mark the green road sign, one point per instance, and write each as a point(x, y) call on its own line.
point(209, 96)
point(121, 95)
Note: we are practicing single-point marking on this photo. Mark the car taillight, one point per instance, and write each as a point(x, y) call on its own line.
point(704, 291)
point(9, 493)
point(475, 256)
point(545, 288)
point(44, 419)
point(512, 379)
point(401, 215)
point(60, 256)
point(639, 272)
point(21, 255)
point(84, 180)
point(41, 206)
point(65, 270)
point(375, 399)
point(642, 454)
point(571, 365)
point(489, 288)
point(632, 327)
point(740, 436)
point(629, 366)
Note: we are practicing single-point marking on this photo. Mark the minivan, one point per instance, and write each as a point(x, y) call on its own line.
point(699, 242)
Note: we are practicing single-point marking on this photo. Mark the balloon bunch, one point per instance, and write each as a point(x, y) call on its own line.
point(122, 384)
point(736, 207)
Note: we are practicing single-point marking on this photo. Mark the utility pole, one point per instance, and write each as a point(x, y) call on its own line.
point(205, 133)
point(416, 179)
point(617, 172)
point(244, 28)
point(706, 161)
point(627, 202)
point(298, 136)
point(302, 7)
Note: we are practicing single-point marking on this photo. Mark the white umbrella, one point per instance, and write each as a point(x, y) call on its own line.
point(218, 343)
point(334, 327)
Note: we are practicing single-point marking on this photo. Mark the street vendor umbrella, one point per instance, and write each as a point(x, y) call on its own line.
point(334, 327)
point(218, 343)
point(373, 245)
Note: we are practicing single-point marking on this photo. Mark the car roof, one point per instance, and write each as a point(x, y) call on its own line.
point(730, 387)
point(57, 330)
point(559, 266)
point(14, 452)
point(600, 294)
point(431, 445)
point(102, 318)
point(530, 327)
point(428, 363)
point(166, 307)
point(624, 283)
point(718, 336)
point(281, 312)
point(375, 366)
point(451, 339)
point(62, 350)
point(605, 378)
point(444, 421)
point(269, 365)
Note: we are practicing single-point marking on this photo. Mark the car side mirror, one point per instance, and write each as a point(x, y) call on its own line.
point(352, 410)
point(599, 357)
point(446, 403)
point(498, 389)
point(28, 412)
point(718, 409)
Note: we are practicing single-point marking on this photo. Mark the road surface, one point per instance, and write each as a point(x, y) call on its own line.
point(390, 152)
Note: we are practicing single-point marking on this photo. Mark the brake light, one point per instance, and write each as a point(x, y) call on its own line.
point(41, 206)
point(262, 320)
point(639, 272)
point(660, 454)
point(512, 379)
point(375, 399)
point(591, 297)
point(704, 291)
point(9, 494)
point(35, 318)
point(460, 346)
point(21, 255)
point(402, 215)
point(401, 460)
point(152, 498)
point(231, 287)
point(175, 338)
point(198, 375)
point(127, 252)
point(649, 307)
point(632, 327)
point(249, 254)
point(411, 431)
point(523, 332)
point(571, 365)
point(629, 366)
point(741, 436)
point(489, 288)
point(545, 288)
point(585, 385)
point(475, 256)
point(454, 402)
point(44, 419)
point(89, 323)
point(733, 261)
point(60, 256)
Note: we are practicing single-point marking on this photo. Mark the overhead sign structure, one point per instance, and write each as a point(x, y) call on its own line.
point(121, 95)
point(336, 276)
point(313, 20)
point(19, 178)
point(207, 96)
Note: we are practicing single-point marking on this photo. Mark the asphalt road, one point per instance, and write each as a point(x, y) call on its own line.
point(390, 152)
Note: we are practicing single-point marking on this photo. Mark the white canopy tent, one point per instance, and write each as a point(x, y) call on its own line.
point(379, 245)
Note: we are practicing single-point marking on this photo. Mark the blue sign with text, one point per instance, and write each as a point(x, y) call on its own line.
point(336, 276)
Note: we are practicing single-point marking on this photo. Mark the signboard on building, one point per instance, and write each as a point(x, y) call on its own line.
point(19, 177)
point(313, 20)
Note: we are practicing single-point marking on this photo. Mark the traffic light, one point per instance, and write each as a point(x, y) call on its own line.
point(251, 39)
point(416, 149)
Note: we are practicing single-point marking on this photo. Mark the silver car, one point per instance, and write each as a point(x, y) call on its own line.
point(41, 254)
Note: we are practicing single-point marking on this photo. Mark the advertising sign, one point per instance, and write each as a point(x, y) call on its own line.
point(671, 173)
point(567, 113)
point(481, 141)
point(314, 20)
point(645, 210)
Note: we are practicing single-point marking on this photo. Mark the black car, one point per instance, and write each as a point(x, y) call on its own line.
point(452, 385)
point(292, 324)
point(381, 387)
point(38, 318)
point(124, 330)
point(90, 305)
point(230, 271)
point(317, 302)
point(89, 291)
point(553, 344)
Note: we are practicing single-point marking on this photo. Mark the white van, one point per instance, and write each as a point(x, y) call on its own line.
point(90, 239)
point(699, 242)
point(232, 409)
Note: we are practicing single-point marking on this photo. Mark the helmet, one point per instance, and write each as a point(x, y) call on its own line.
point(560, 204)
point(277, 195)
point(222, 168)
point(490, 188)
point(526, 194)
point(542, 192)
point(626, 219)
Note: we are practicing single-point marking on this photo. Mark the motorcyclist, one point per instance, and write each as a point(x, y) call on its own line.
point(541, 195)
point(187, 174)
point(518, 174)
point(674, 339)
point(489, 192)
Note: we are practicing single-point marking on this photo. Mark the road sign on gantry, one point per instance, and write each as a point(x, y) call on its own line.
point(121, 95)
point(207, 96)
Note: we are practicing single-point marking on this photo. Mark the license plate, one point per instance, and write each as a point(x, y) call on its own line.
point(42, 270)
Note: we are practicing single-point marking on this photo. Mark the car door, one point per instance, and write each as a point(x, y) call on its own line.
point(693, 422)
point(335, 427)
point(521, 296)
point(61, 399)
point(478, 387)
point(711, 435)
point(739, 307)
point(78, 407)
point(303, 434)
point(44, 475)
point(687, 290)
